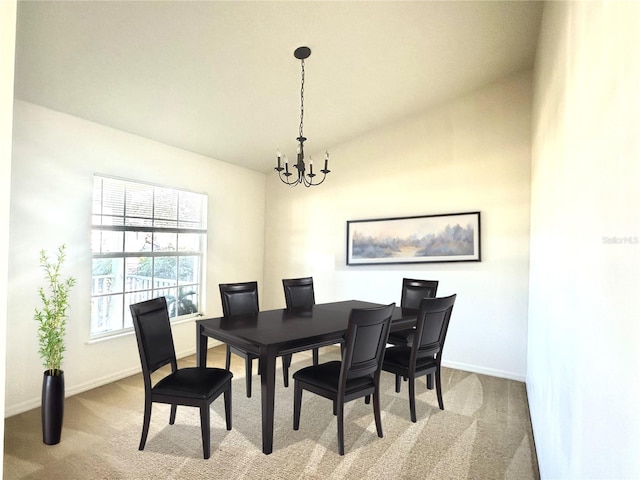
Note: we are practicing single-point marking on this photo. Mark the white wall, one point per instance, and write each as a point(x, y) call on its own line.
point(7, 56)
point(54, 159)
point(466, 155)
point(583, 361)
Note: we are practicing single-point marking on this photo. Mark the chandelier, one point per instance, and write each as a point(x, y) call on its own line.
point(303, 177)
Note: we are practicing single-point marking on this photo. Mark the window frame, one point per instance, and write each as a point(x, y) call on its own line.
point(122, 293)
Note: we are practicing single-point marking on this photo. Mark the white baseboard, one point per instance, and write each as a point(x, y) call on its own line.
point(32, 403)
point(492, 372)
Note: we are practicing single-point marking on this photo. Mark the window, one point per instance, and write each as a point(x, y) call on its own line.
point(147, 241)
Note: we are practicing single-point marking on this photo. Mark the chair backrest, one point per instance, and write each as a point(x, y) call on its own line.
point(298, 292)
point(366, 337)
point(432, 325)
point(413, 291)
point(153, 332)
point(239, 298)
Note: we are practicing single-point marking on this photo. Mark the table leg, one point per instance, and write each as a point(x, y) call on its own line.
point(201, 347)
point(268, 383)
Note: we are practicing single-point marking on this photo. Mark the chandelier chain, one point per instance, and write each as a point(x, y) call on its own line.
point(302, 99)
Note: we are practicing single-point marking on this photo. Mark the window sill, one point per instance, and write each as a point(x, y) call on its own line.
point(128, 332)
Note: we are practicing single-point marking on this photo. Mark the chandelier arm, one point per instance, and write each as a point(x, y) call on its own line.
point(309, 182)
point(323, 178)
point(292, 184)
point(286, 176)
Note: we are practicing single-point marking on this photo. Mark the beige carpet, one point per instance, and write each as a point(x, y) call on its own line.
point(484, 433)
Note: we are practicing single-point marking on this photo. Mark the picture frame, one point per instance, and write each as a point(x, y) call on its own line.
point(451, 237)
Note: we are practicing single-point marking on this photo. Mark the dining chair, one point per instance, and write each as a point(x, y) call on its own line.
point(242, 299)
point(299, 294)
point(424, 356)
point(190, 386)
point(357, 375)
point(413, 291)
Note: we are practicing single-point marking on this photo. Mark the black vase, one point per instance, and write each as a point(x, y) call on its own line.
point(52, 407)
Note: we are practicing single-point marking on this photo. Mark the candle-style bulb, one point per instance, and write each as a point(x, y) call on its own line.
point(278, 154)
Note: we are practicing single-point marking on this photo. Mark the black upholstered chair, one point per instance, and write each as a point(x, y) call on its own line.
point(357, 375)
point(192, 386)
point(413, 291)
point(241, 299)
point(424, 356)
point(299, 294)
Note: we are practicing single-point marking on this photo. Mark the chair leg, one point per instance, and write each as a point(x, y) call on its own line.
point(367, 399)
point(430, 381)
point(227, 364)
point(341, 428)
point(206, 430)
point(376, 412)
point(297, 403)
point(145, 423)
point(227, 405)
point(286, 362)
point(412, 398)
point(172, 416)
point(439, 389)
point(315, 356)
point(248, 368)
point(398, 383)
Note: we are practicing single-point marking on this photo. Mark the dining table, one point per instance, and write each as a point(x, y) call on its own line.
point(273, 333)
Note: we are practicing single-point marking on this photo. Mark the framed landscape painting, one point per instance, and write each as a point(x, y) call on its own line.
point(452, 237)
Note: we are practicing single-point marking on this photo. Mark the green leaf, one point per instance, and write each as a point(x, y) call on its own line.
point(52, 317)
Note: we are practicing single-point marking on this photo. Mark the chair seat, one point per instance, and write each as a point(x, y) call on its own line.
point(402, 337)
point(193, 382)
point(398, 358)
point(327, 376)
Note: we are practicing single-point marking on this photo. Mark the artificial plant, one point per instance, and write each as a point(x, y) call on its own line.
point(52, 317)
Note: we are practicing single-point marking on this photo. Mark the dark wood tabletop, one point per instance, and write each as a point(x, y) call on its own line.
point(272, 333)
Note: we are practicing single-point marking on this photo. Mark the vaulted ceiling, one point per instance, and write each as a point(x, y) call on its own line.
point(219, 78)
